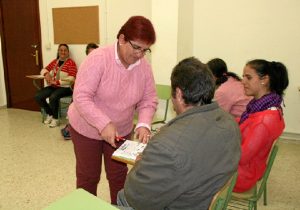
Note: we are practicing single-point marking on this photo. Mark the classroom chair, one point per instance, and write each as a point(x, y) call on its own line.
point(248, 200)
point(164, 94)
point(222, 197)
point(62, 109)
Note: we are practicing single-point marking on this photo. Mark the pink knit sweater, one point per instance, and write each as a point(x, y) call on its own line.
point(107, 92)
point(231, 97)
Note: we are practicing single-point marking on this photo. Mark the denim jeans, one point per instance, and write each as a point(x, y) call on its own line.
point(54, 94)
point(121, 201)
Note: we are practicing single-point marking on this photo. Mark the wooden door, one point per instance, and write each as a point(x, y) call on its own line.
point(21, 50)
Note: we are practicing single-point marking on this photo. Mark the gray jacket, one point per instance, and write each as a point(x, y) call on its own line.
point(187, 162)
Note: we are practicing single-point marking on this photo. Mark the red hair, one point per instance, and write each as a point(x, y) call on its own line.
point(138, 28)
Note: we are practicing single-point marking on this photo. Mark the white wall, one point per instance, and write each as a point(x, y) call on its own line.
point(164, 56)
point(77, 52)
point(185, 29)
point(238, 31)
point(113, 14)
point(118, 12)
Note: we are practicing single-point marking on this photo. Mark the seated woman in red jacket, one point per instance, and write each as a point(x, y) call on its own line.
point(262, 122)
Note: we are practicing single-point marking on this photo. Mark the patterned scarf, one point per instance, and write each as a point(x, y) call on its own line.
point(261, 104)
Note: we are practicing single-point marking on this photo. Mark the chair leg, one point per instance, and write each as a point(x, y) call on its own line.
point(43, 114)
point(59, 110)
point(250, 206)
point(255, 205)
point(265, 195)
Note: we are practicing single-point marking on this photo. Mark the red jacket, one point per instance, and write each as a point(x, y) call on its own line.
point(259, 132)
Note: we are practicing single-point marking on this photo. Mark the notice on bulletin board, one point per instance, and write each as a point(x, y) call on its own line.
point(76, 25)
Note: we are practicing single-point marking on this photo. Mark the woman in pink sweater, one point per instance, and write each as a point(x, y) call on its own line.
point(112, 83)
point(262, 122)
point(230, 93)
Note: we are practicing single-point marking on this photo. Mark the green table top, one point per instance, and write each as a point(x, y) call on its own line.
point(80, 200)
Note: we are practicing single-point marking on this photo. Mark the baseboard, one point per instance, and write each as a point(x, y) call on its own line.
point(289, 135)
point(3, 107)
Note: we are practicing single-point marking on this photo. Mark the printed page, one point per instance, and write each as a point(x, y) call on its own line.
point(128, 151)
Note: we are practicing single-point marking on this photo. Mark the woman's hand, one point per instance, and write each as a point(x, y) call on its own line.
point(109, 134)
point(138, 158)
point(48, 78)
point(52, 82)
point(143, 134)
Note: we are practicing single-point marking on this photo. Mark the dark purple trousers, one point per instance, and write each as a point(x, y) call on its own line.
point(88, 154)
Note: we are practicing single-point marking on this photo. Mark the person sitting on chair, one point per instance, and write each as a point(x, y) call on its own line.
point(193, 155)
point(66, 130)
point(262, 122)
point(60, 75)
point(230, 91)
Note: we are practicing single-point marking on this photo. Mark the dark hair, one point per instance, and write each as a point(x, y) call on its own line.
point(195, 81)
point(276, 71)
point(219, 69)
point(138, 28)
point(90, 46)
point(57, 55)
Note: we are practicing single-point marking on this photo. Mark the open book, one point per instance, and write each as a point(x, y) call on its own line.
point(128, 151)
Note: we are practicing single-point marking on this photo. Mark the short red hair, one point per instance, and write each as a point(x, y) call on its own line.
point(138, 28)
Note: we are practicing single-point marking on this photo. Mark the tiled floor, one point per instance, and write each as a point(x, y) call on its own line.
point(38, 166)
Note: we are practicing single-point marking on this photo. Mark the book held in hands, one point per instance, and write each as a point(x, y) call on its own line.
point(128, 151)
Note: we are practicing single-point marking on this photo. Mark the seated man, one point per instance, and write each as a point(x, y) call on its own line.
point(189, 160)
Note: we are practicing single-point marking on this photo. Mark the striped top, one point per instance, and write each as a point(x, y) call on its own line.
point(64, 75)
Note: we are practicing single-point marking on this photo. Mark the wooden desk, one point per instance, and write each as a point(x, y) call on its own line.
point(34, 79)
point(80, 200)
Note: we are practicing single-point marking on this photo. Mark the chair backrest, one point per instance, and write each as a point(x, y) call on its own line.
point(222, 197)
point(264, 179)
point(163, 93)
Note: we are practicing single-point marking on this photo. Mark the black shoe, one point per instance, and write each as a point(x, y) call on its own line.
point(66, 133)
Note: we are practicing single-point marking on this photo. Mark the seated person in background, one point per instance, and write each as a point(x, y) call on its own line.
point(90, 47)
point(262, 122)
point(66, 131)
point(60, 75)
point(230, 91)
point(193, 155)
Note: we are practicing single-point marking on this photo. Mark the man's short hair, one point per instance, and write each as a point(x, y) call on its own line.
point(195, 81)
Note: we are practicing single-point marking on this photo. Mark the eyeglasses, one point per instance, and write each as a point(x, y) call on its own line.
point(139, 49)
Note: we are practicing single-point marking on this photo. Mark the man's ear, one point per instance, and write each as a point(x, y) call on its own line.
point(179, 95)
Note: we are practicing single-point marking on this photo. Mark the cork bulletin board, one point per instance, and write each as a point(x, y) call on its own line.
point(76, 25)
